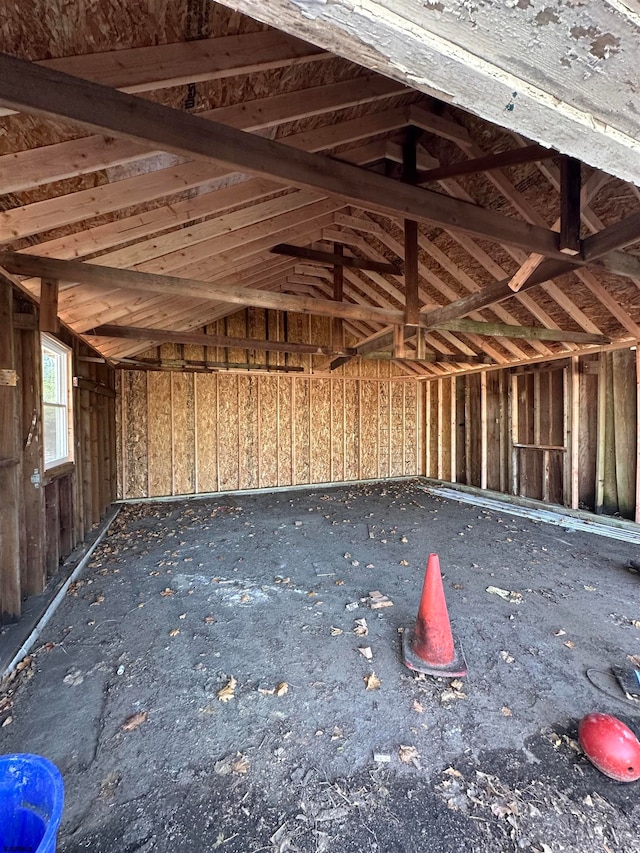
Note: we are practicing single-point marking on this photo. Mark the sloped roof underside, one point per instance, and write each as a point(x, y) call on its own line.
point(205, 229)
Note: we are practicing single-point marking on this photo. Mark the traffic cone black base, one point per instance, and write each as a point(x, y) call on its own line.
point(456, 669)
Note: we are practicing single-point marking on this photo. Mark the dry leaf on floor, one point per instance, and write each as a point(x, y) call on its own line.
point(451, 771)
point(404, 562)
point(456, 684)
point(282, 688)
point(209, 620)
point(366, 652)
point(372, 681)
point(167, 591)
point(335, 632)
point(570, 644)
point(559, 633)
point(361, 629)
point(417, 707)
point(240, 765)
point(506, 594)
point(409, 755)
point(506, 712)
point(378, 600)
point(506, 657)
point(635, 660)
point(97, 601)
point(226, 693)
point(135, 720)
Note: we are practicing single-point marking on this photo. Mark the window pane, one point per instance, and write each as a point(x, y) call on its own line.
point(55, 434)
point(49, 377)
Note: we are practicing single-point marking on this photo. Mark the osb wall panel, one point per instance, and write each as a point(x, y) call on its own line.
point(191, 433)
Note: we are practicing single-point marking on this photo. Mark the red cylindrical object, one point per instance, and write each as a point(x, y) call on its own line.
point(610, 746)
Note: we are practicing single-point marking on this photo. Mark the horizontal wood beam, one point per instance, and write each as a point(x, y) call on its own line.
point(162, 336)
point(507, 330)
point(110, 277)
point(334, 260)
point(492, 293)
point(434, 358)
point(530, 154)
point(617, 236)
point(192, 366)
point(53, 94)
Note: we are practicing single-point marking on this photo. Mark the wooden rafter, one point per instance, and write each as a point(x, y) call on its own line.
point(25, 86)
point(38, 166)
point(333, 259)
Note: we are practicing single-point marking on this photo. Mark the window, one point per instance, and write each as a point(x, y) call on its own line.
point(56, 402)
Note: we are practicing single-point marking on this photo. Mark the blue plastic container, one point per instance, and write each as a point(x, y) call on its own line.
point(31, 800)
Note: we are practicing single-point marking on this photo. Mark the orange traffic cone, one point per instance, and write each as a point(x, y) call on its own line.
point(430, 647)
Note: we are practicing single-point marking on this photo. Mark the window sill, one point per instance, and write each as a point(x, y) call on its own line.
point(58, 471)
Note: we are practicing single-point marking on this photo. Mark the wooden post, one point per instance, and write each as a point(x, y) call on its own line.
point(513, 405)
point(439, 469)
point(337, 323)
point(10, 592)
point(398, 342)
point(53, 528)
point(427, 430)
point(484, 438)
point(637, 509)
point(601, 432)
point(454, 430)
point(467, 431)
point(412, 305)
point(32, 463)
point(502, 418)
point(575, 432)
point(49, 305)
point(569, 240)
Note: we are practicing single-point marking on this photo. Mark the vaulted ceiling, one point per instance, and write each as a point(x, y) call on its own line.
point(238, 166)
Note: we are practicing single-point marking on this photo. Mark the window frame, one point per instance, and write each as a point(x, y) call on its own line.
point(64, 397)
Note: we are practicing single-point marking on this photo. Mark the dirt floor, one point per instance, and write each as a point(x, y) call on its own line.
point(202, 686)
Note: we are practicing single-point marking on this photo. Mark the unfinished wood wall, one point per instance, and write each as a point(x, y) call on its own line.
point(44, 515)
point(191, 433)
point(565, 432)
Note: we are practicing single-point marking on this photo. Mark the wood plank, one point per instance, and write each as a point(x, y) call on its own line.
point(617, 236)
point(527, 332)
point(530, 154)
point(601, 433)
point(334, 259)
point(167, 336)
point(570, 186)
point(574, 456)
point(142, 69)
point(337, 324)
point(49, 305)
point(32, 443)
point(133, 280)
point(10, 590)
point(411, 280)
point(53, 94)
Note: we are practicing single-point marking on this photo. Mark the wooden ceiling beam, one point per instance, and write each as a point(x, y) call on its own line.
point(37, 166)
point(487, 163)
point(52, 94)
point(526, 332)
point(223, 341)
point(335, 260)
point(138, 281)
